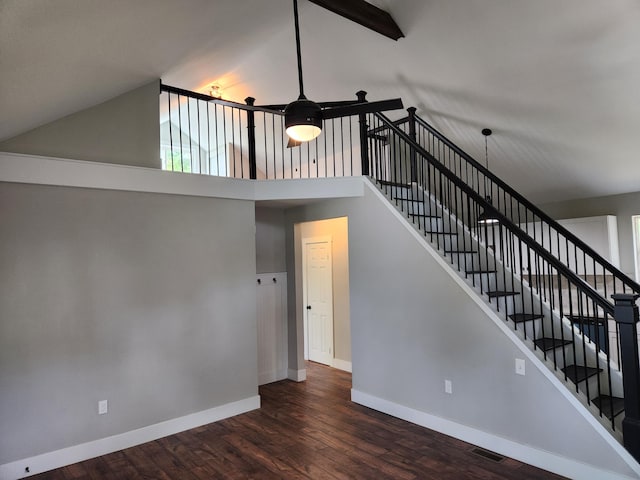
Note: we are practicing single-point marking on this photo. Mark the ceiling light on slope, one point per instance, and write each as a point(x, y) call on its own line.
point(487, 216)
point(215, 90)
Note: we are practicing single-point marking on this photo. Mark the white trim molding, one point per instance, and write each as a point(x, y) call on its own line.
point(524, 453)
point(33, 169)
point(78, 453)
point(296, 375)
point(342, 365)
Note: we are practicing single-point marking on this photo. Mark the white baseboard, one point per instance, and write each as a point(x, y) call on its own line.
point(341, 365)
point(297, 375)
point(524, 453)
point(273, 376)
point(78, 453)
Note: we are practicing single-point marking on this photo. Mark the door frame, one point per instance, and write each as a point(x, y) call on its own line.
point(307, 241)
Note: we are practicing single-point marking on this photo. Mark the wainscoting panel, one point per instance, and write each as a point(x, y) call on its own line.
point(271, 298)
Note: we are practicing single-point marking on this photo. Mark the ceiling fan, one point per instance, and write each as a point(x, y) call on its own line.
point(303, 117)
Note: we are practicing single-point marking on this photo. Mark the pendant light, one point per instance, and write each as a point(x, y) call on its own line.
point(487, 216)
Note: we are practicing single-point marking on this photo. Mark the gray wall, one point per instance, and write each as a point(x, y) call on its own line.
point(123, 130)
point(412, 327)
point(270, 240)
point(623, 206)
point(140, 299)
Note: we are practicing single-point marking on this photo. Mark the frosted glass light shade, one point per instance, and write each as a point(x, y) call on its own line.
point(303, 133)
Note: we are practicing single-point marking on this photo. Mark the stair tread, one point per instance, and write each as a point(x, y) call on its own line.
point(477, 272)
point(461, 251)
point(441, 233)
point(589, 319)
point(424, 215)
point(609, 406)
point(579, 373)
point(501, 293)
point(525, 317)
point(394, 184)
point(547, 343)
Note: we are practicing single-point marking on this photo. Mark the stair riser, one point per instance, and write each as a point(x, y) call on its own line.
point(593, 384)
point(444, 241)
point(503, 304)
point(561, 360)
point(414, 207)
point(531, 328)
point(408, 195)
point(466, 261)
point(429, 224)
point(486, 281)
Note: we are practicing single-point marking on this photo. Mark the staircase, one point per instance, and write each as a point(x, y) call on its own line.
point(535, 275)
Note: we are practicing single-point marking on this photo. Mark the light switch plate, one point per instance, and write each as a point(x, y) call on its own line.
point(103, 407)
point(520, 366)
point(448, 387)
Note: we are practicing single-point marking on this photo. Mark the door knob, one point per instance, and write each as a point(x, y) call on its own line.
point(308, 307)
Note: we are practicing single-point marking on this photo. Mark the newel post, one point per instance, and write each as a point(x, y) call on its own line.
point(626, 316)
point(364, 144)
point(251, 131)
point(412, 134)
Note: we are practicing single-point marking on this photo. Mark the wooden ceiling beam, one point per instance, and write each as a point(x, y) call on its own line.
point(365, 14)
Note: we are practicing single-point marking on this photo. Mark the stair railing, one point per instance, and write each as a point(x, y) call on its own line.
point(412, 175)
point(565, 246)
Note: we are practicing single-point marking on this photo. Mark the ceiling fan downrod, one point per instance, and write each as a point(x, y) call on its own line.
point(302, 118)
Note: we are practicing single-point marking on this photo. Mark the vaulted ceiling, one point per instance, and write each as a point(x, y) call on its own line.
point(558, 82)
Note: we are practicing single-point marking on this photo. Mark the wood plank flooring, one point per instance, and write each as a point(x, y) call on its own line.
point(308, 430)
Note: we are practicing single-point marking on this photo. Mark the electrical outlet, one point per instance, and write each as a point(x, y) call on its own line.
point(103, 407)
point(520, 366)
point(448, 387)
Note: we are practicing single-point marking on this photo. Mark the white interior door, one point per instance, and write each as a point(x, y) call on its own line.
point(318, 300)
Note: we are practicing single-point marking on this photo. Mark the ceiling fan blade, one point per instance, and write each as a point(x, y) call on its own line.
point(275, 109)
point(341, 103)
point(360, 108)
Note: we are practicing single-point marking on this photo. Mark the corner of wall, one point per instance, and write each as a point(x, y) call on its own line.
point(123, 130)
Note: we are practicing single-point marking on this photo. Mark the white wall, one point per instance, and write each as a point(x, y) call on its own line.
point(622, 206)
point(137, 298)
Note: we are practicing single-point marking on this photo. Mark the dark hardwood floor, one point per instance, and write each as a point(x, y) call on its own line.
point(303, 430)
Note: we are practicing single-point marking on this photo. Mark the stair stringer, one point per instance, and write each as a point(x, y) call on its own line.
point(577, 400)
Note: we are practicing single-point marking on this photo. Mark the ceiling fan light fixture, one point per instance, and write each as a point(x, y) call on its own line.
point(303, 120)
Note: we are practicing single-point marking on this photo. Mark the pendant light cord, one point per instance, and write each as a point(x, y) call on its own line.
point(486, 152)
point(295, 14)
point(486, 132)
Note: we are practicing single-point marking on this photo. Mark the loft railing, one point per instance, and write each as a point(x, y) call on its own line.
point(206, 135)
